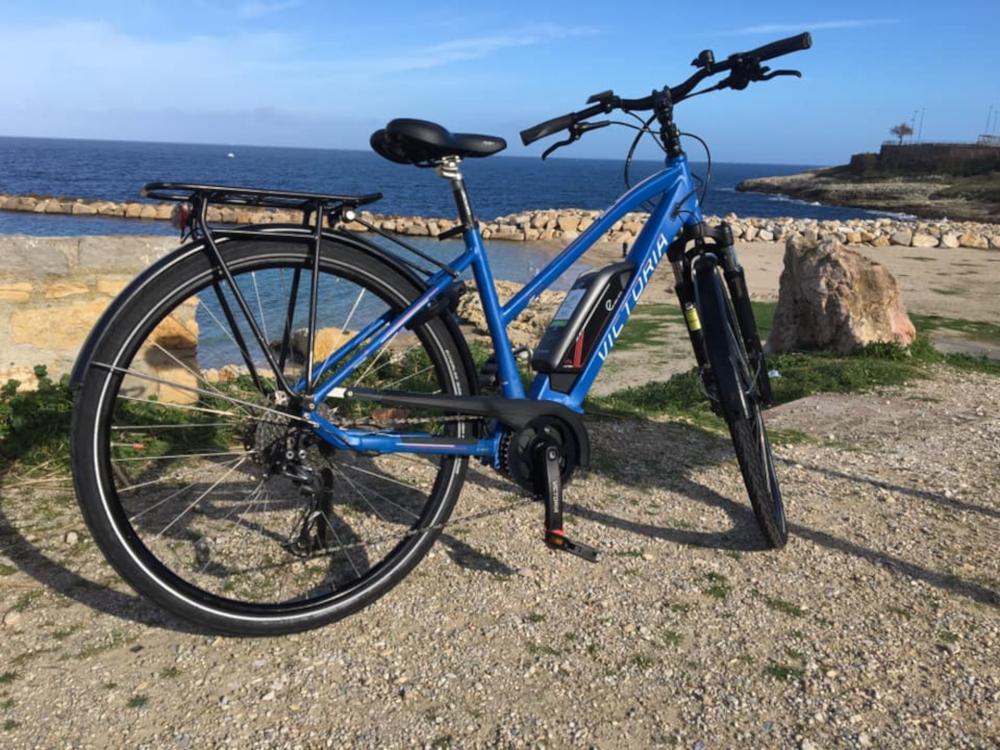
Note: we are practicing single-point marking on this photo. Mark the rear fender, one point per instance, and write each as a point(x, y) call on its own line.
point(149, 276)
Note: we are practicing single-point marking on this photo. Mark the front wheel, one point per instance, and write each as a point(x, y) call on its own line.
point(737, 389)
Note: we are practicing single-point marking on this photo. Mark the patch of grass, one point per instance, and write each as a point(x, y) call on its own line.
point(109, 685)
point(639, 332)
point(947, 637)
point(976, 330)
point(807, 373)
point(6, 704)
point(24, 600)
point(780, 605)
point(61, 635)
point(592, 649)
point(899, 612)
point(170, 672)
point(541, 649)
point(792, 653)
point(679, 607)
point(635, 552)
point(719, 588)
point(7, 678)
point(535, 617)
point(783, 672)
point(671, 638)
point(7, 570)
point(444, 741)
point(34, 424)
point(982, 187)
point(137, 701)
point(643, 662)
point(763, 313)
point(9, 725)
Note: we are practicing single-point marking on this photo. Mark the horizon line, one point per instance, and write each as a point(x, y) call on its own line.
point(370, 151)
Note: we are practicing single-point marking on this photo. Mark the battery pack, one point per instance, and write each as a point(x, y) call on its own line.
point(579, 323)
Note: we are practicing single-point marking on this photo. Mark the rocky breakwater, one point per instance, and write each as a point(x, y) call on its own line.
point(563, 225)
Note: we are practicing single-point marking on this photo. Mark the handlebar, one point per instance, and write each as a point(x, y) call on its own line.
point(747, 64)
point(781, 47)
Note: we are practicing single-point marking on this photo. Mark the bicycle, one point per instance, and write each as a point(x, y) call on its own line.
point(272, 424)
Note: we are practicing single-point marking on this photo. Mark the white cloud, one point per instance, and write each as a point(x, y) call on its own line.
point(792, 28)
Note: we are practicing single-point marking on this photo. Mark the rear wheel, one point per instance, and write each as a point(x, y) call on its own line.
point(214, 498)
point(738, 392)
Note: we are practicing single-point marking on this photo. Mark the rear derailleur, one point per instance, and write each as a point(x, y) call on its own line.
point(284, 450)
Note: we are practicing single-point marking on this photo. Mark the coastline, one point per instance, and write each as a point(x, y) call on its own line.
point(560, 225)
point(930, 197)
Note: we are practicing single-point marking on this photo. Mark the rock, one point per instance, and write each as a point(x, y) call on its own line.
point(328, 340)
point(973, 240)
point(834, 299)
point(568, 223)
point(901, 237)
point(71, 538)
point(83, 209)
point(17, 291)
point(950, 240)
point(924, 240)
point(12, 619)
point(526, 329)
point(174, 333)
point(995, 242)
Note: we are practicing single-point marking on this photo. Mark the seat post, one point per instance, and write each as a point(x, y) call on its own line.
point(448, 169)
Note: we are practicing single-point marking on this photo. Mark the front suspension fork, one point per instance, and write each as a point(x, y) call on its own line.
point(721, 246)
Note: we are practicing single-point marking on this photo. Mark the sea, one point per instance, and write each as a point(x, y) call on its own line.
point(117, 170)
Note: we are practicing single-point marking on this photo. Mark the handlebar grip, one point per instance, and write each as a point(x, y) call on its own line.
point(547, 128)
point(782, 47)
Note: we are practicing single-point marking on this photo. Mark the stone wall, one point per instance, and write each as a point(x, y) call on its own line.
point(52, 291)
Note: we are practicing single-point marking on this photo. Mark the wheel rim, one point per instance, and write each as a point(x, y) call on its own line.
point(187, 461)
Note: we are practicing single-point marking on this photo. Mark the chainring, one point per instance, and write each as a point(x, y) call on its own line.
point(517, 450)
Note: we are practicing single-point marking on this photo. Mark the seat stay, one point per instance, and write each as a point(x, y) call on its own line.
point(381, 336)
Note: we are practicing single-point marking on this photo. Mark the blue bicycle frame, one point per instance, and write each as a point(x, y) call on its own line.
point(677, 206)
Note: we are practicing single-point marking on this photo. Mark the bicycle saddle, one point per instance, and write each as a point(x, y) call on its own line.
point(422, 143)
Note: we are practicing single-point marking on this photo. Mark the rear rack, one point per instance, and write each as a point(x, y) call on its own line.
point(315, 207)
point(240, 196)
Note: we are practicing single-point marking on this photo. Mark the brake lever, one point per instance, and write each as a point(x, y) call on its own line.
point(776, 73)
point(556, 146)
point(575, 132)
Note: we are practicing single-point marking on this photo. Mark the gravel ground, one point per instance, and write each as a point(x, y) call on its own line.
point(877, 626)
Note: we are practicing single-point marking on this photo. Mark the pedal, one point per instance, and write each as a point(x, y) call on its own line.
point(548, 485)
point(559, 541)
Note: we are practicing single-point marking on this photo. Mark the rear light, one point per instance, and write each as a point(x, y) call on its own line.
point(180, 216)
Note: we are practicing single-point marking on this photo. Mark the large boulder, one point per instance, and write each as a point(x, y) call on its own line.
point(835, 299)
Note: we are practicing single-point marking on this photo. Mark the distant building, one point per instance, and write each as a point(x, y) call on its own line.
point(930, 158)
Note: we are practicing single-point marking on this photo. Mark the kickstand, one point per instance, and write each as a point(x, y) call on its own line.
point(549, 486)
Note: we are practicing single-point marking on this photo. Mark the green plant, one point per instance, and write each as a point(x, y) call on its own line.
point(34, 424)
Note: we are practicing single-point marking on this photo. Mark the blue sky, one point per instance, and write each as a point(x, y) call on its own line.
point(325, 74)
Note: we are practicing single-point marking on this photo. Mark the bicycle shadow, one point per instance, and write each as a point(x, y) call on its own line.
point(31, 560)
point(710, 450)
point(17, 541)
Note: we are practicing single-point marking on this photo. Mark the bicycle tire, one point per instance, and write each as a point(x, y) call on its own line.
point(144, 305)
point(737, 389)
